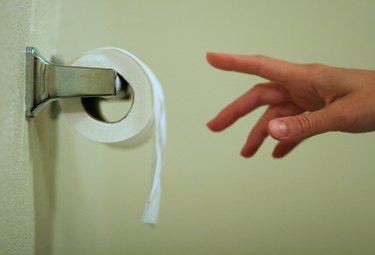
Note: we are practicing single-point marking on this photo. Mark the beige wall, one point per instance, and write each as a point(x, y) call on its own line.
point(318, 200)
point(27, 148)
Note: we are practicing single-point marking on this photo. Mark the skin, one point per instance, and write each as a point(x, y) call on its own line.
point(304, 100)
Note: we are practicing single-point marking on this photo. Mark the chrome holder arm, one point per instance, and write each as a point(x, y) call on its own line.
point(46, 81)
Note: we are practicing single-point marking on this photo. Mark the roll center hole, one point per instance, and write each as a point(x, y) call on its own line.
point(111, 109)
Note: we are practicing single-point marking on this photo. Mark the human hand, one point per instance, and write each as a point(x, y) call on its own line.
point(304, 100)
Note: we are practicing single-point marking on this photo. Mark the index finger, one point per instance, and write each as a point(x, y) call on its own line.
point(276, 70)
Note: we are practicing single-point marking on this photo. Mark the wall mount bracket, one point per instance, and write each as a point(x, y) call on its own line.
point(46, 82)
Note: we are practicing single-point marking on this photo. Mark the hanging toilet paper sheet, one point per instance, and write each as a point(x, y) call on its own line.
point(145, 117)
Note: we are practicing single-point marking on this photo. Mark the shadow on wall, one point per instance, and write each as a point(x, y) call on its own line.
point(43, 150)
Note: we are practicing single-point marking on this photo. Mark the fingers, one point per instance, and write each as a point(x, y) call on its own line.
point(262, 94)
point(269, 68)
point(283, 148)
point(299, 127)
point(259, 133)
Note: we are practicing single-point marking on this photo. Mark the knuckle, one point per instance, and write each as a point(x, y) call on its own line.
point(257, 87)
point(260, 57)
point(289, 109)
point(260, 133)
point(230, 112)
point(274, 108)
point(258, 90)
point(284, 109)
point(316, 73)
point(234, 111)
point(278, 110)
point(302, 125)
point(237, 112)
point(259, 66)
point(316, 68)
point(272, 111)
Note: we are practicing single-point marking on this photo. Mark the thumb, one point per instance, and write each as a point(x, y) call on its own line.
point(299, 127)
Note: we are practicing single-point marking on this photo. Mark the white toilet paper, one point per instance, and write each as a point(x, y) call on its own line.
point(146, 115)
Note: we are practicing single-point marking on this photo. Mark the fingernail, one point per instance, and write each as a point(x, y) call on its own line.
point(278, 128)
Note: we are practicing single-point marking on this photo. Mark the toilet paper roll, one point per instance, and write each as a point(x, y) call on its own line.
point(145, 117)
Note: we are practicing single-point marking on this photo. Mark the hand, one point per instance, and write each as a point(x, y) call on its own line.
point(304, 100)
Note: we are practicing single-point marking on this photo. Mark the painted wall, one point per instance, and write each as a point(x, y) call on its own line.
point(67, 195)
point(27, 148)
point(318, 200)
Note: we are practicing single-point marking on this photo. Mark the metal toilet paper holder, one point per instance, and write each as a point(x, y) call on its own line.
point(46, 82)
